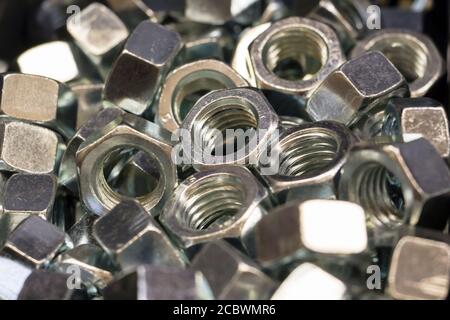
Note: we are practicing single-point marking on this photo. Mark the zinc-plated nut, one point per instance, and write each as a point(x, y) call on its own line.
point(359, 86)
point(310, 45)
point(298, 230)
point(307, 282)
point(138, 71)
point(132, 237)
point(240, 108)
point(225, 202)
point(89, 98)
point(131, 132)
point(99, 33)
point(106, 118)
point(307, 160)
point(414, 54)
point(231, 275)
point(28, 148)
point(410, 118)
point(419, 269)
point(12, 277)
point(150, 282)
point(199, 76)
point(39, 100)
point(395, 185)
point(34, 242)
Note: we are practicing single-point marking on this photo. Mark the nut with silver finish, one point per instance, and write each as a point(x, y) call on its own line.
point(12, 278)
point(89, 98)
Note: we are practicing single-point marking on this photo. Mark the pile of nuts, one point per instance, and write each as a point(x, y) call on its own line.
point(117, 181)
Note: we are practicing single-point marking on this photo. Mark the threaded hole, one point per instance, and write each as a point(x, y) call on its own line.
point(213, 201)
point(307, 152)
point(296, 54)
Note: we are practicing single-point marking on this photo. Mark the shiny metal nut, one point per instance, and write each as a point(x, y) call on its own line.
point(420, 269)
point(150, 282)
point(183, 82)
point(89, 98)
point(219, 203)
point(308, 282)
point(12, 277)
point(359, 86)
point(395, 186)
point(132, 237)
point(410, 118)
point(307, 160)
point(297, 230)
point(34, 242)
point(310, 46)
point(240, 108)
point(138, 71)
point(68, 169)
point(28, 148)
point(413, 54)
point(231, 275)
point(39, 100)
point(81, 232)
point(134, 133)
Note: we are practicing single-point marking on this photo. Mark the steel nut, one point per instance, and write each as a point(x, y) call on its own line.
point(89, 98)
point(178, 92)
point(132, 237)
point(224, 202)
point(149, 282)
point(138, 71)
point(39, 100)
point(420, 269)
point(231, 275)
point(12, 277)
point(359, 86)
point(81, 232)
point(34, 242)
point(28, 148)
point(407, 119)
point(305, 229)
point(395, 185)
point(129, 133)
point(295, 55)
point(99, 33)
point(414, 54)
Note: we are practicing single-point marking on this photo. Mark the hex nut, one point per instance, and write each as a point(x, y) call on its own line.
point(150, 282)
point(81, 232)
point(283, 42)
point(138, 71)
point(361, 85)
point(129, 132)
point(215, 204)
point(413, 54)
point(132, 237)
point(395, 186)
point(326, 227)
point(231, 275)
point(202, 75)
point(34, 242)
point(89, 97)
point(28, 148)
point(411, 279)
point(12, 277)
point(410, 118)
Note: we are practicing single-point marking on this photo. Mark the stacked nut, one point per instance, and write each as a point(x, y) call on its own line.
point(120, 180)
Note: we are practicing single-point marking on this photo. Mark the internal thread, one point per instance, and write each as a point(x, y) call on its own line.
point(215, 200)
point(302, 45)
point(308, 152)
point(409, 57)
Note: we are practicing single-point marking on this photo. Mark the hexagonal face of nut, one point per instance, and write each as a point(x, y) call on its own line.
point(135, 238)
point(137, 72)
point(221, 203)
point(419, 269)
point(129, 133)
point(358, 86)
point(279, 63)
point(28, 148)
point(395, 185)
point(12, 277)
point(411, 118)
point(315, 226)
point(231, 275)
point(34, 242)
point(159, 283)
